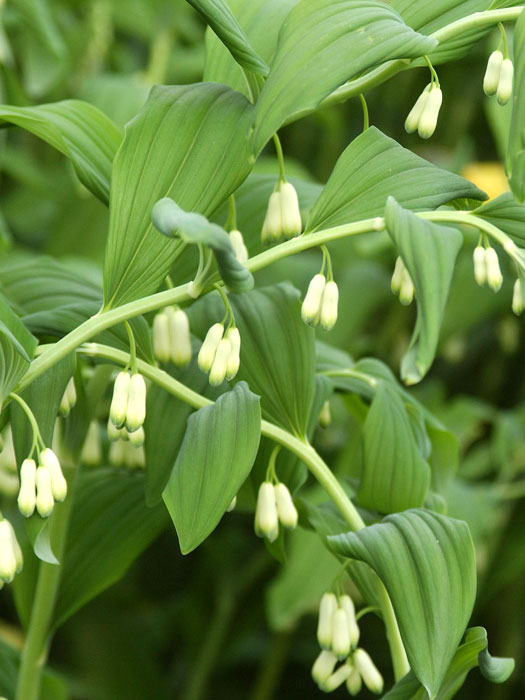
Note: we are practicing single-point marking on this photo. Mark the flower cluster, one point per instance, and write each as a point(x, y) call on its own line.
point(274, 506)
point(220, 353)
point(124, 453)
point(486, 268)
point(171, 337)
point(401, 283)
point(283, 216)
point(41, 487)
point(128, 405)
point(499, 77)
point(11, 560)
point(320, 303)
point(424, 114)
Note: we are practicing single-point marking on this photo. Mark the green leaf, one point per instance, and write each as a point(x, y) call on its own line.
point(78, 130)
point(507, 214)
point(204, 128)
point(220, 18)
point(395, 475)
point(216, 456)
point(427, 564)
point(172, 221)
point(323, 44)
point(429, 252)
point(17, 346)
point(375, 166)
point(516, 147)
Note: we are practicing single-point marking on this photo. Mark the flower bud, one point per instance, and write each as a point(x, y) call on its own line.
point(136, 438)
point(91, 454)
point(209, 346)
point(494, 276)
point(323, 666)
point(161, 337)
point(237, 241)
point(44, 493)
point(311, 307)
point(8, 562)
point(429, 116)
point(19, 559)
point(397, 276)
point(336, 679)
point(69, 399)
point(7, 451)
point(48, 459)
point(266, 520)
point(27, 494)
point(117, 453)
point(290, 213)
point(119, 402)
point(136, 410)
point(325, 415)
point(234, 360)
point(368, 671)
point(134, 457)
point(406, 293)
point(340, 634)
point(353, 630)
point(114, 433)
point(232, 505)
point(180, 339)
point(272, 227)
point(286, 510)
point(480, 265)
point(220, 363)
point(325, 625)
point(492, 74)
point(329, 301)
point(354, 682)
point(517, 298)
point(412, 121)
point(506, 77)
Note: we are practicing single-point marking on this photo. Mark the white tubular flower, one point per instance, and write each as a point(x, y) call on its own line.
point(368, 671)
point(220, 363)
point(114, 433)
point(480, 265)
point(117, 453)
point(494, 276)
point(91, 454)
point(412, 121)
point(328, 315)
point(119, 402)
point(429, 116)
point(11, 560)
point(179, 337)
point(354, 682)
point(272, 229)
point(161, 337)
point(353, 629)
point(266, 520)
point(237, 241)
point(7, 451)
point(325, 625)
point(209, 346)
point(491, 79)
point(234, 360)
point(27, 495)
point(517, 298)
point(406, 293)
point(232, 505)
point(323, 666)
point(397, 276)
point(340, 635)
point(325, 415)
point(44, 493)
point(286, 510)
point(336, 679)
point(311, 307)
point(290, 211)
point(136, 438)
point(506, 77)
point(134, 457)
point(136, 410)
point(48, 460)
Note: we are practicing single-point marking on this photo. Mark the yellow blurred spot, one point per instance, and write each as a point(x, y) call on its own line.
point(489, 177)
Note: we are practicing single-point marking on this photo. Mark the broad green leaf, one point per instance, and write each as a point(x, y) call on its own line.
point(427, 564)
point(220, 18)
point(395, 476)
point(204, 128)
point(323, 44)
point(516, 152)
point(507, 214)
point(375, 166)
point(429, 252)
point(78, 130)
point(173, 222)
point(17, 346)
point(216, 456)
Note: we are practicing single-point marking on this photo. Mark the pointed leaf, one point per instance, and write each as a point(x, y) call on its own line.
point(516, 152)
point(507, 214)
point(17, 346)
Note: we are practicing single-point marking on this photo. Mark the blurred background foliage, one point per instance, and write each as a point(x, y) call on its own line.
point(228, 621)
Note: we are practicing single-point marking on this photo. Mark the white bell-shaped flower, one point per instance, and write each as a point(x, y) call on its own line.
point(45, 501)
point(136, 408)
point(323, 666)
point(325, 624)
point(291, 224)
point(506, 78)
point(311, 307)
point(119, 402)
point(286, 510)
point(266, 519)
point(492, 73)
point(220, 363)
point(368, 671)
point(179, 337)
point(209, 346)
point(234, 359)
point(27, 494)
point(49, 460)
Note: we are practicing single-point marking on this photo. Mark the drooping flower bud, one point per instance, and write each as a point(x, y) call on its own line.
point(325, 415)
point(397, 276)
point(209, 346)
point(506, 77)
point(11, 560)
point(119, 402)
point(368, 671)
point(69, 399)
point(517, 298)
point(48, 459)
point(311, 308)
point(136, 409)
point(134, 457)
point(429, 116)
point(161, 337)
point(323, 666)
point(494, 276)
point(325, 625)
point(220, 362)
point(117, 453)
point(232, 505)
point(354, 682)
point(272, 226)
point(234, 360)
point(266, 520)
point(406, 293)
point(286, 510)
point(328, 315)
point(91, 454)
point(114, 433)
point(291, 223)
point(492, 74)
point(353, 629)
point(340, 634)
point(237, 241)
point(336, 679)
point(480, 265)
point(44, 493)
point(179, 337)
point(136, 438)
point(27, 495)
point(412, 121)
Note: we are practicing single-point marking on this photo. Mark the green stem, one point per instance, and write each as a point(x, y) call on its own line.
point(366, 118)
point(433, 74)
point(37, 437)
point(280, 157)
point(132, 348)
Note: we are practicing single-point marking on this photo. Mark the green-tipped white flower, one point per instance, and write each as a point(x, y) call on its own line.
point(325, 625)
point(69, 399)
point(397, 275)
point(325, 415)
point(209, 346)
point(506, 77)
point(48, 459)
point(136, 438)
point(27, 495)
point(272, 226)
point(354, 682)
point(291, 224)
point(234, 360)
point(494, 276)
point(179, 337)
point(412, 121)
point(492, 74)
point(119, 402)
point(237, 241)
point(220, 362)
point(480, 265)
point(336, 679)
point(323, 666)
point(517, 298)
point(91, 454)
point(136, 409)
point(340, 634)
point(286, 510)
point(161, 337)
point(232, 505)
point(311, 308)
point(114, 433)
point(117, 453)
point(368, 671)
point(266, 519)
point(44, 492)
point(328, 315)
point(11, 560)
point(347, 605)
point(429, 116)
